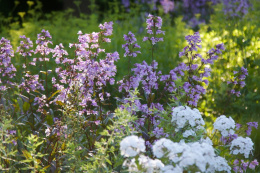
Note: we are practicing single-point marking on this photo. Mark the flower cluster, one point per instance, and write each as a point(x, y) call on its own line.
point(198, 156)
point(25, 45)
point(154, 24)
point(243, 165)
point(130, 45)
point(193, 7)
point(43, 41)
point(188, 120)
point(250, 125)
point(12, 133)
point(238, 82)
point(131, 146)
point(224, 125)
point(85, 74)
point(236, 8)
point(241, 145)
point(167, 5)
point(106, 30)
point(7, 69)
point(57, 129)
point(196, 73)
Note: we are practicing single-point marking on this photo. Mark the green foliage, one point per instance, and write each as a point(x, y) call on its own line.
point(8, 151)
point(103, 156)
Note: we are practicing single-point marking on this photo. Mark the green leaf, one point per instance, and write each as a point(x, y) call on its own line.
point(26, 154)
point(49, 119)
point(108, 161)
point(54, 94)
point(26, 106)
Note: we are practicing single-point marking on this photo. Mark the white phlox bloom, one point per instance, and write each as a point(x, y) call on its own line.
point(167, 148)
point(130, 163)
point(130, 146)
point(171, 169)
point(225, 125)
point(184, 116)
point(162, 147)
point(221, 165)
point(207, 140)
point(47, 132)
point(188, 133)
point(241, 145)
point(149, 165)
point(200, 155)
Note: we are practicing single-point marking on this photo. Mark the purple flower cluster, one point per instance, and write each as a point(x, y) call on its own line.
point(228, 139)
point(154, 24)
point(146, 77)
point(193, 87)
point(84, 75)
point(144, 74)
point(7, 69)
point(193, 7)
point(106, 30)
point(130, 45)
point(242, 166)
point(236, 8)
point(250, 125)
point(43, 41)
point(25, 48)
point(167, 5)
point(238, 82)
point(57, 129)
point(31, 82)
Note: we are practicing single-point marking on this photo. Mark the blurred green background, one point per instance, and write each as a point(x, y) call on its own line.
point(240, 34)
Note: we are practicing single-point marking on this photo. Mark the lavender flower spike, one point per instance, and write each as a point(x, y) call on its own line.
point(154, 24)
point(130, 45)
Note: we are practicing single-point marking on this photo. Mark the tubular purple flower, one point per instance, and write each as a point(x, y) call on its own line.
point(130, 45)
point(154, 24)
point(6, 67)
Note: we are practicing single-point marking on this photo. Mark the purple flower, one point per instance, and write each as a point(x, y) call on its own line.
point(253, 164)
point(167, 5)
point(6, 67)
point(238, 82)
point(130, 45)
point(25, 45)
point(238, 126)
point(154, 24)
point(250, 125)
point(235, 8)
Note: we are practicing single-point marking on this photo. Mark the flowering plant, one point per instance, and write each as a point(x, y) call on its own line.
point(64, 119)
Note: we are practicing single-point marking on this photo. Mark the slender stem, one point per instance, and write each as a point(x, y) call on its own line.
point(46, 78)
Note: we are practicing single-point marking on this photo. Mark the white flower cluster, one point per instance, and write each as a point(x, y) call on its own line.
point(241, 145)
point(146, 164)
point(225, 125)
point(221, 164)
point(200, 156)
point(131, 146)
point(185, 117)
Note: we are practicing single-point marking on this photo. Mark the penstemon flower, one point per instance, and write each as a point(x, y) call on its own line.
point(7, 69)
point(130, 45)
point(192, 73)
point(154, 24)
point(236, 8)
point(25, 45)
point(238, 82)
point(167, 5)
